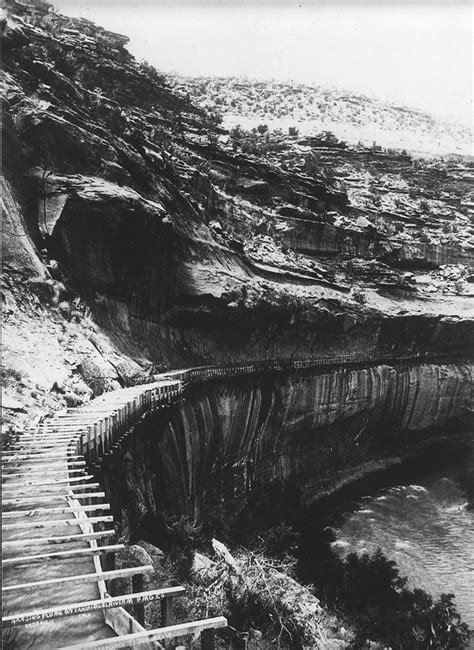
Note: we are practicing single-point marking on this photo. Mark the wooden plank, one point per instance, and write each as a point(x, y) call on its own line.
point(85, 577)
point(74, 418)
point(83, 607)
point(58, 555)
point(104, 407)
point(35, 462)
point(12, 456)
point(51, 497)
point(33, 512)
point(52, 523)
point(47, 441)
point(63, 481)
point(63, 429)
point(134, 640)
point(47, 433)
point(63, 490)
point(80, 537)
point(50, 472)
point(38, 449)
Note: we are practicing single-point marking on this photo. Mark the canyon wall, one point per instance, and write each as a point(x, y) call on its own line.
point(313, 431)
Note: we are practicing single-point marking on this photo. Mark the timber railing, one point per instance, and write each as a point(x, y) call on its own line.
point(51, 502)
point(347, 360)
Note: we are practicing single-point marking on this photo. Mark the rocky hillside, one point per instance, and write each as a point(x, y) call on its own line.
point(313, 108)
point(140, 234)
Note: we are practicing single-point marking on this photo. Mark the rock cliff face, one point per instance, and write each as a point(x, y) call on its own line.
point(315, 431)
point(184, 248)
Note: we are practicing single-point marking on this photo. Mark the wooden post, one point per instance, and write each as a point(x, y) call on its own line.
point(208, 639)
point(167, 614)
point(110, 562)
point(80, 450)
point(103, 433)
point(115, 425)
point(89, 445)
point(138, 608)
point(106, 435)
point(96, 445)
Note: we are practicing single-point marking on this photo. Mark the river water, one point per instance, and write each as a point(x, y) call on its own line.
point(426, 528)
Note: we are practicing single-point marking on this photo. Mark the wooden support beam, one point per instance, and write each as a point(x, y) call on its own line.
point(208, 639)
point(80, 537)
point(32, 512)
point(50, 498)
point(138, 609)
point(81, 518)
point(54, 523)
point(61, 555)
point(134, 640)
point(83, 607)
point(167, 614)
point(85, 577)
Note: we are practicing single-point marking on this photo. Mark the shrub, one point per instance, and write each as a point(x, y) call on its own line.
point(327, 139)
point(424, 206)
point(213, 118)
point(257, 592)
point(259, 141)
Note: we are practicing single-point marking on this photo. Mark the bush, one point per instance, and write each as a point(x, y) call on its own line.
point(259, 141)
point(256, 592)
point(424, 206)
